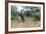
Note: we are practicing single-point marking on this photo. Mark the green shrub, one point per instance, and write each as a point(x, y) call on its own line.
point(36, 15)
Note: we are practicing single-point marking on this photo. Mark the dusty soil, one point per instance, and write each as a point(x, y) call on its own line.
point(25, 24)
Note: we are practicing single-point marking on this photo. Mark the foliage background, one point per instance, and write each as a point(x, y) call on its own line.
point(34, 12)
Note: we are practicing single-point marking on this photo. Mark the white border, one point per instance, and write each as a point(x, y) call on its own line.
point(23, 29)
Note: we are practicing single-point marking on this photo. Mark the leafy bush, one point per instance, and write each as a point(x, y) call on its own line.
point(36, 14)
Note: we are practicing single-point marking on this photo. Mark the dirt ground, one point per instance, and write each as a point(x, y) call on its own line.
point(26, 24)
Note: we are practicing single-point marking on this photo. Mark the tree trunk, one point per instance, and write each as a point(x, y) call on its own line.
point(22, 17)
